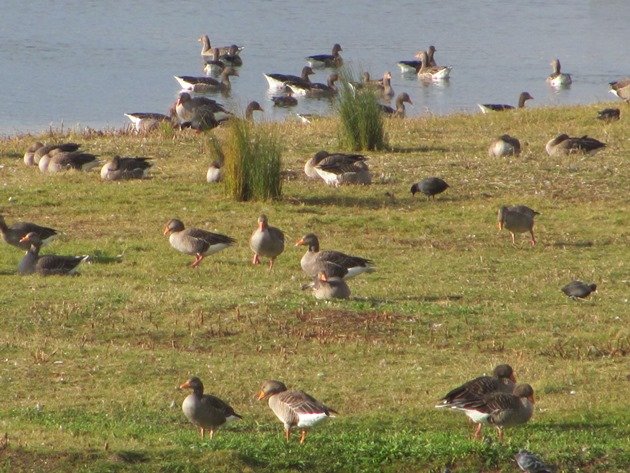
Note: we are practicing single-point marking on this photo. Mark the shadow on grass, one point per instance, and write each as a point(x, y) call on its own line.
point(415, 149)
point(577, 244)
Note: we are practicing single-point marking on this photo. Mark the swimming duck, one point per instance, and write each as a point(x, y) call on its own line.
point(505, 145)
point(207, 50)
point(194, 241)
point(326, 60)
point(14, 234)
point(146, 121)
point(314, 261)
point(316, 89)
point(326, 287)
point(579, 290)
point(46, 265)
point(57, 160)
point(557, 78)
point(431, 186)
point(339, 168)
point(295, 409)
point(517, 219)
point(432, 72)
point(125, 167)
point(564, 144)
point(266, 241)
point(621, 89)
point(399, 111)
point(279, 81)
point(494, 107)
point(204, 85)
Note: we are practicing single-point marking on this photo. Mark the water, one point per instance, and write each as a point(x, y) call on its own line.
point(85, 63)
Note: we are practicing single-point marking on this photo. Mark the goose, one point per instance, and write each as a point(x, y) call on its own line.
point(531, 463)
point(252, 107)
point(207, 50)
point(332, 263)
point(215, 172)
point(621, 89)
point(200, 112)
point(557, 78)
point(563, 144)
point(326, 60)
point(328, 287)
point(494, 107)
point(385, 86)
point(502, 380)
point(517, 219)
point(214, 66)
point(266, 241)
point(399, 111)
point(295, 409)
point(279, 81)
point(36, 151)
point(204, 85)
point(609, 114)
point(286, 100)
point(432, 72)
point(232, 58)
point(29, 154)
point(125, 167)
point(14, 234)
point(57, 160)
point(316, 89)
point(339, 168)
point(46, 265)
point(147, 121)
point(431, 186)
point(204, 410)
point(579, 290)
point(505, 145)
point(414, 66)
point(194, 241)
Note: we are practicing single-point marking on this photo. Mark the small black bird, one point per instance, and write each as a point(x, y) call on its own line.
point(578, 289)
point(608, 114)
point(430, 186)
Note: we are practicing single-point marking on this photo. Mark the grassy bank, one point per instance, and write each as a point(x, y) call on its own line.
point(89, 365)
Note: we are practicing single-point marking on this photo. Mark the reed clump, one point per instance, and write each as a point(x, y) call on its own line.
point(360, 119)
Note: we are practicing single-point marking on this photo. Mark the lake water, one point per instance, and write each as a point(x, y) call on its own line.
point(85, 63)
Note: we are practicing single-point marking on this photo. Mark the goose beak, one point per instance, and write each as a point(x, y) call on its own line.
point(166, 231)
point(260, 396)
point(24, 239)
point(186, 385)
point(299, 242)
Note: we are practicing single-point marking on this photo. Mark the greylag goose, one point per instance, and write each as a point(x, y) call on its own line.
point(505, 145)
point(204, 85)
point(295, 409)
point(339, 168)
point(385, 86)
point(200, 112)
point(194, 241)
point(579, 290)
point(432, 72)
point(531, 463)
point(252, 107)
point(232, 57)
point(399, 111)
point(286, 100)
point(332, 263)
point(564, 144)
point(316, 89)
point(501, 409)
point(46, 265)
point(621, 89)
point(326, 60)
point(214, 66)
point(125, 167)
point(14, 234)
point(266, 241)
point(204, 410)
point(328, 287)
point(29, 154)
point(517, 219)
point(215, 172)
point(279, 81)
point(495, 107)
point(208, 51)
point(147, 121)
point(431, 186)
point(58, 160)
point(502, 380)
point(609, 114)
point(36, 151)
point(557, 78)
point(414, 66)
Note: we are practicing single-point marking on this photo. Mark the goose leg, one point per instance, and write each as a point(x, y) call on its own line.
point(271, 261)
point(533, 238)
point(477, 434)
point(203, 432)
point(198, 259)
point(287, 434)
point(256, 259)
point(513, 242)
point(303, 437)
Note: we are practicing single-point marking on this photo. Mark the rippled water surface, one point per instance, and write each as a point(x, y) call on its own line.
point(87, 62)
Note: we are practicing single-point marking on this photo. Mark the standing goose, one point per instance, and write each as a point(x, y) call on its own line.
point(505, 145)
point(328, 287)
point(495, 107)
point(46, 265)
point(204, 85)
point(326, 60)
point(621, 89)
point(517, 219)
point(399, 111)
point(14, 234)
point(579, 290)
point(194, 241)
point(208, 51)
point(557, 78)
point(266, 241)
point(214, 66)
point(294, 408)
point(146, 121)
point(126, 167)
point(564, 144)
point(333, 263)
point(279, 81)
point(200, 112)
point(58, 160)
point(339, 168)
point(432, 72)
point(205, 411)
point(502, 380)
point(316, 89)
point(431, 186)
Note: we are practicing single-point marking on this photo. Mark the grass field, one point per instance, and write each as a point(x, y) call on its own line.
point(89, 365)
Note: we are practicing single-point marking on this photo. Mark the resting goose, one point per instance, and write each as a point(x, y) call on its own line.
point(215, 172)
point(330, 262)
point(517, 219)
point(147, 121)
point(339, 168)
point(431, 186)
point(204, 410)
point(266, 241)
point(204, 85)
point(46, 265)
point(494, 107)
point(295, 409)
point(125, 167)
point(57, 160)
point(14, 234)
point(36, 151)
point(579, 290)
point(194, 241)
point(316, 89)
point(564, 144)
point(621, 89)
point(328, 287)
point(399, 111)
point(279, 81)
point(432, 72)
point(326, 60)
point(207, 50)
point(557, 78)
point(200, 112)
point(505, 145)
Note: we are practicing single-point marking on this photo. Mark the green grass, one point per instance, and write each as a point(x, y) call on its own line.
point(360, 118)
point(89, 365)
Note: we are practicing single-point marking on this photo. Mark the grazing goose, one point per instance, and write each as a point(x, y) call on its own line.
point(609, 114)
point(200, 112)
point(204, 410)
point(332, 263)
point(279, 81)
point(14, 234)
point(328, 287)
point(286, 100)
point(57, 160)
point(326, 60)
point(505, 145)
point(208, 51)
point(399, 111)
point(294, 408)
point(495, 107)
point(621, 89)
point(204, 85)
point(46, 265)
point(147, 121)
point(214, 66)
point(579, 290)
point(557, 78)
point(194, 241)
point(125, 167)
point(432, 72)
point(517, 219)
point(502, 380)
point(36, 151)
point(339, 168)
point(215, 172)
point(531, 463)
point(499, 408)
point(431, 186)
point(266, 241)
point(564, 144)
point(316, 89)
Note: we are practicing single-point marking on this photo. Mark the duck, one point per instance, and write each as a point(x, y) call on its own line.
point(286, 100)
point(531, 463)
point(494, 107)
point(517, 219)
point(432, 72)
point(147, 121)
point(14, 234)
point(125, 167)
point(326, 287)
point(579, 290)
point(58, 160)
point(36, 151)
point(279, 81)
point(214, 66)
point(621, 89)
point(339, 168)
point(316, 89)
point(326, 60)
point(609, 114)
point(431, 186)
point(204, 410)
point(500, 409)
point(399, 111)
point(194, 241)
point(295, 409)
point(505, 145)
point(266, 241)
point(502, 380)
point(207, 50)
point(564, 144)
point(215, 172)
point(332, 263)
point(557, 78)
point(204, 85)
point(46, 265)
point(200, 112)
